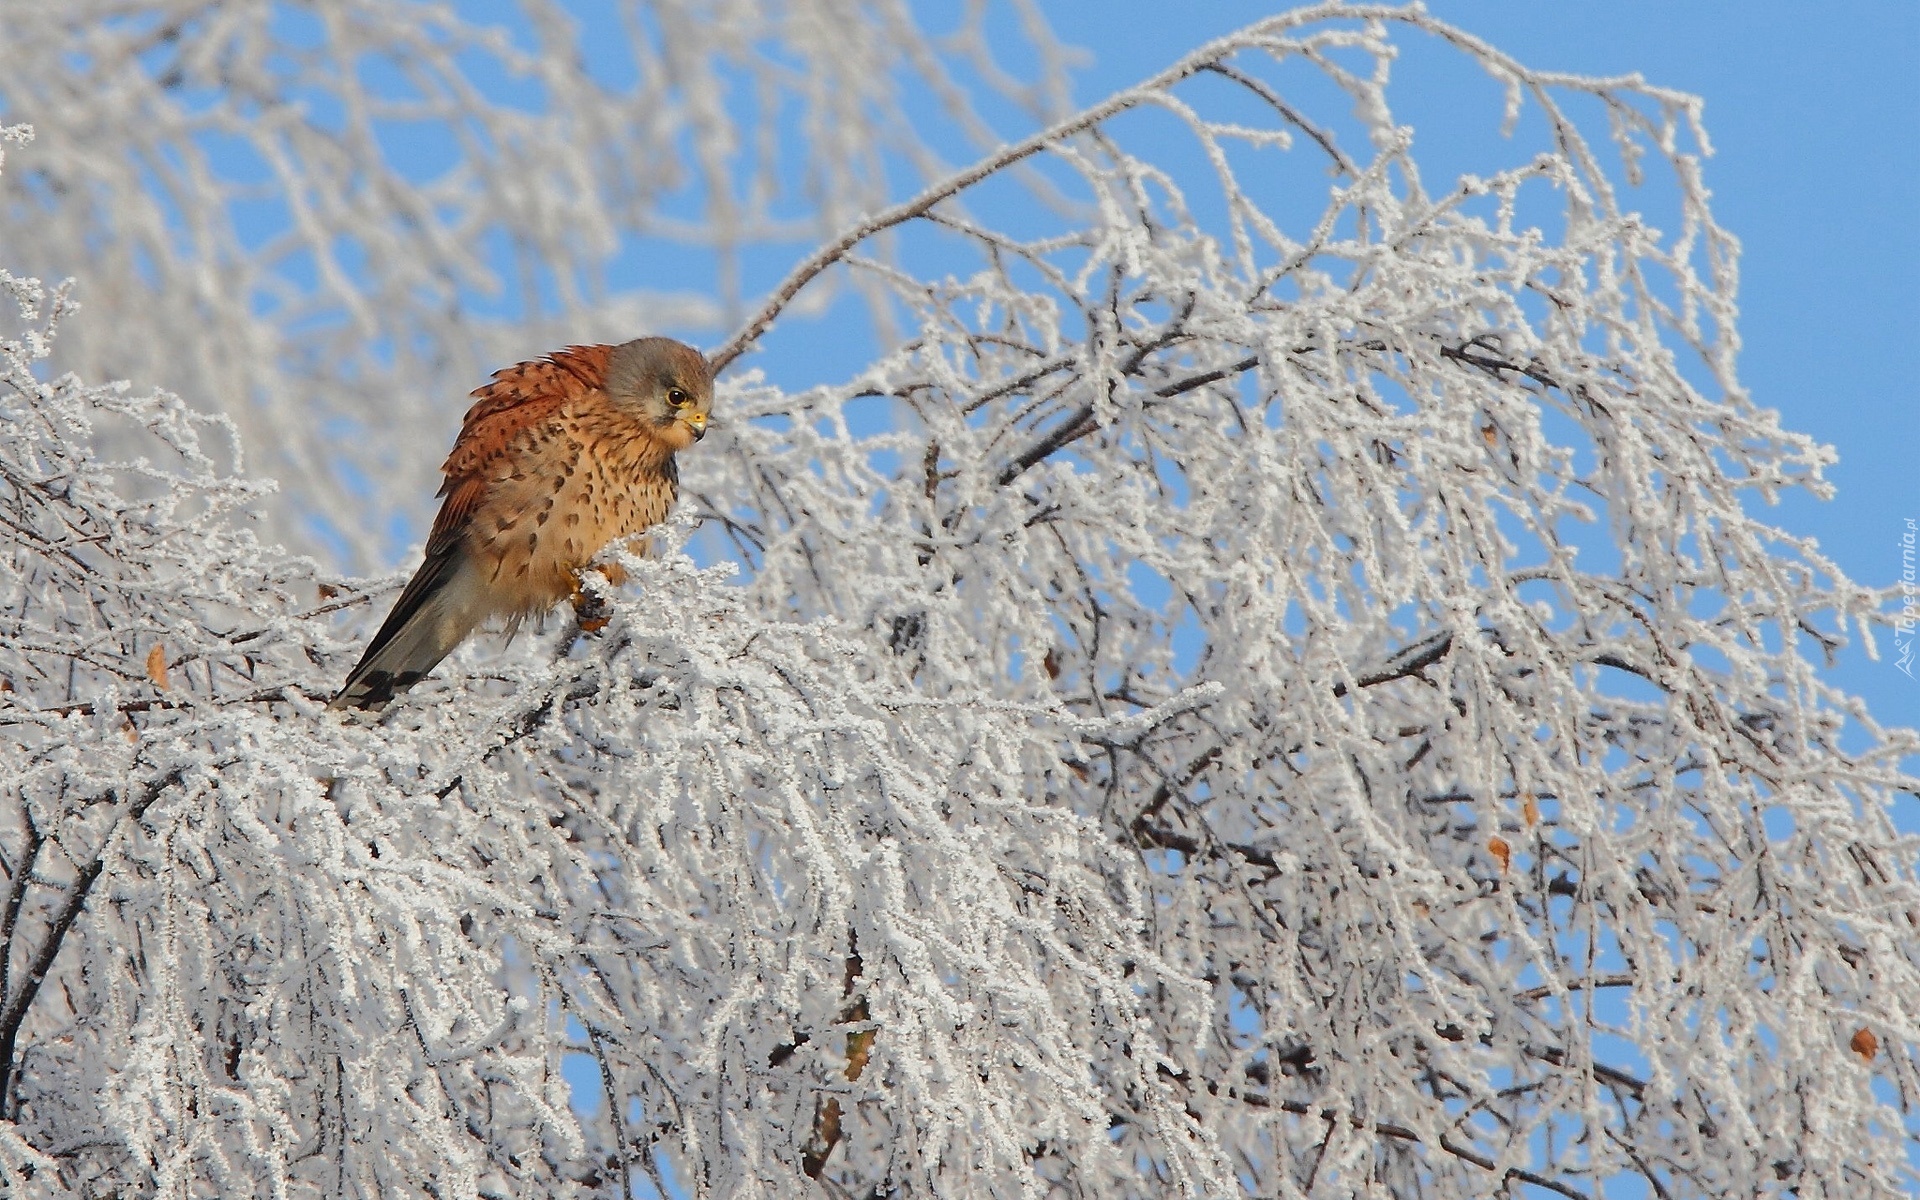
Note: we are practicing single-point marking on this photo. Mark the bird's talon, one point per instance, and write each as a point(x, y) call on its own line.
point(591, 611)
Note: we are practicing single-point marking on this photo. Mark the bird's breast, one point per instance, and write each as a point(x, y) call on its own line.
point(568, 488)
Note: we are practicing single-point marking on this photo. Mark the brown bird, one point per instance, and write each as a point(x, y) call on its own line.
point(556, 458)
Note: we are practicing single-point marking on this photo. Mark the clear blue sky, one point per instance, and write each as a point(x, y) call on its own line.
point(1814, 111)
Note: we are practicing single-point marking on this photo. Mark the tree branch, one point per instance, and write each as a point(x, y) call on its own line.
point(15, 1012)
point(1081, 421)
point(1409, 661)
point(1402, 1133)
point(16, 897)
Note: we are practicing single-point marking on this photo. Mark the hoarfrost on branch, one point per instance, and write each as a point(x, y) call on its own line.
point(1223, 703)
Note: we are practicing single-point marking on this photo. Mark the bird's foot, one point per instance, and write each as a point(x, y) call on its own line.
point(590, 612)
point(593, 611)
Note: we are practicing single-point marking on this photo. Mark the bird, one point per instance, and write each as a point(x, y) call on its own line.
point(557, 457)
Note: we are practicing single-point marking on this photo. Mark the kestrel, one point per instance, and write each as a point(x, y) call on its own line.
point(556, 458)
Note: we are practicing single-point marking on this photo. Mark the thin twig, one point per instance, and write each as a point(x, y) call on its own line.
point(1200, 60)
point(1081, 422)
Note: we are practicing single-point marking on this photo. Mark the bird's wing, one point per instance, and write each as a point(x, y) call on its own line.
point(518, 397)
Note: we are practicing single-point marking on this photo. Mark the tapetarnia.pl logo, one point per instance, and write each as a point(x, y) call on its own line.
point(1909, 614)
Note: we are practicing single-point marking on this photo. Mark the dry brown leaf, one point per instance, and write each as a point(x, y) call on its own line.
point(859, 1049)
point(1501, 851)
point(1531, 811)
point(157, 665)
point(1865, 1044)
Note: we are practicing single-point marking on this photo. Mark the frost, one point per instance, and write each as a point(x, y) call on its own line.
point(1280, 706)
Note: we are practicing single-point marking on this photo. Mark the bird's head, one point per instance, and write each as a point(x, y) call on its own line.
point(665, 384)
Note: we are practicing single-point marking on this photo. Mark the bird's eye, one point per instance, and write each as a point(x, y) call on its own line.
point(678, 397)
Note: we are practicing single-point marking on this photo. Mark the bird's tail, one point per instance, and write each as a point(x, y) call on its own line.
point(439, 607)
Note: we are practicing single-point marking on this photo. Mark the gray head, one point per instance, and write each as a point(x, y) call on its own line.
point(665, 384)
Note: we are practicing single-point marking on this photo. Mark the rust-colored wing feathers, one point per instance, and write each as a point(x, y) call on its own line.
point(519, 396)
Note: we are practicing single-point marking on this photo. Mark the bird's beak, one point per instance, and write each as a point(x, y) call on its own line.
point(698, 423)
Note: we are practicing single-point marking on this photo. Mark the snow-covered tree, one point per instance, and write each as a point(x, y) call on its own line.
point(311, 217)
point(1265, 685)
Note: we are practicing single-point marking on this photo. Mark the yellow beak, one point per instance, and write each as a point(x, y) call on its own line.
point(698, 423)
